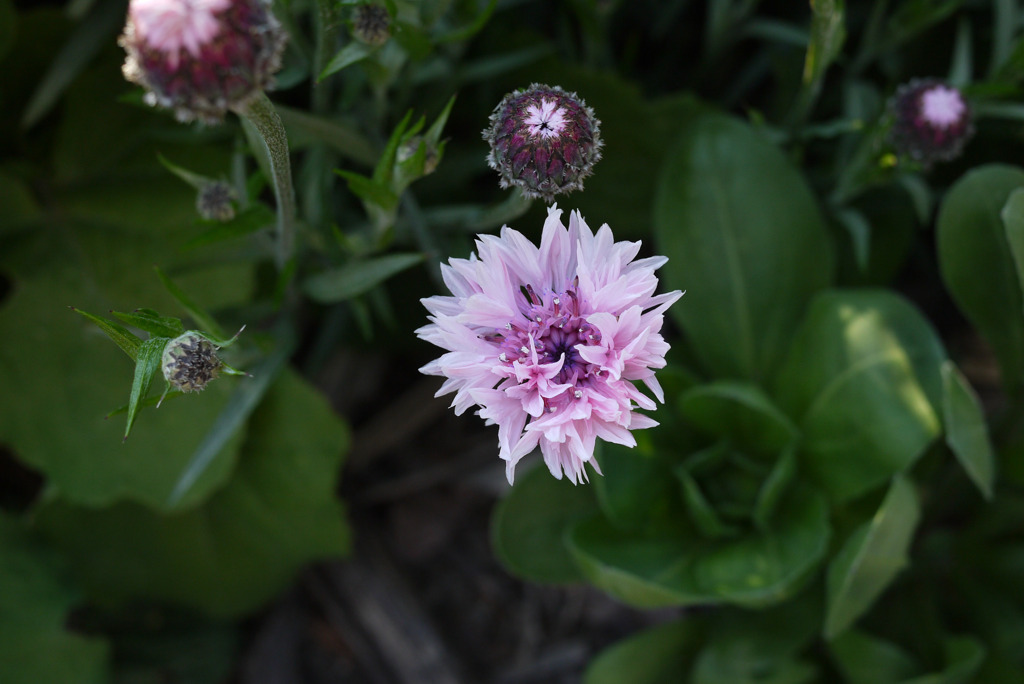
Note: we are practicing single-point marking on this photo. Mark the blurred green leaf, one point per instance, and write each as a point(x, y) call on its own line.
point(775, 487)
point(148, 363)
point(660, 655)
point(97, 29)
point(734, 218)
point(70, 376)
point(35, 599)
point(348, 55)
point(357, 277)
point(529, 526)
point(369, 190)
point(8, 27)
point(966, 431)
point(151, 322)
point(1012, 216)
point(977, 265)
point(866, 659)
point(871, 558)
point(828, 33)
point(964, 656)
point(255, 218)
point(863, 382)
point(702, 512)
point(202, 318)
point(129, 342)
point(673, 566)
point(740, 411)
point(637, 487)
point(229, 556)
point(466, 32)
point(197, 181)
point(304, 127)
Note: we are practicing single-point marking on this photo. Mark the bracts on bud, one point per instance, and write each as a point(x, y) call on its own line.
point(543, 140)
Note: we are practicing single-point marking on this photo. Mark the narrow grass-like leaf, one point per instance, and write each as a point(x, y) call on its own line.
point(348, 55)
point(346, 140)
point(466, 32)
point(196, 180)
point(966, 432)
point(871, 558)
point(204, 320)
point(255, 218)
point(150, 321)
point(124, 339)
point(355, 278)
point(150, 354)
point(95, 32)
point(369, 190)
point(433, 134)
point(241, 404)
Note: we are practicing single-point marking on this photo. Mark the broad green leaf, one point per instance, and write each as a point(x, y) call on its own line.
point(637, 486)
point(871, 558)
point(530, 523)
point(121, 336)
point(964, 656)
point(966, 431)
point(660, 655)
point(357, 277)
point(702, 513)
point(977, 264)
point(744, 647)
point(740, 411)
point(151, 322)
point(35, 599)
point(674, 566)
point(1012, 215)
point(863, 382)
point(866, 659)
point(775, 487)
point(744, 236)
point(239, 407)
point(70, 376)
point(230, 555)
point(148, 363)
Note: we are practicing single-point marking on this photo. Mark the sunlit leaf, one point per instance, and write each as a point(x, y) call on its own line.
point(966, 430)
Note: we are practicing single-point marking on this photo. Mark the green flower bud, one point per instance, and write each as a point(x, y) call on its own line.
point(189, 362)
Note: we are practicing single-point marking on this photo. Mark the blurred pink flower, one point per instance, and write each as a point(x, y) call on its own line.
point(931, 121)
point(549, 341)
point(202, 57)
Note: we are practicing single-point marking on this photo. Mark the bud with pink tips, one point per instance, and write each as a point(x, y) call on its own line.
point(544, 140)
point(931, 121)
point(202, 57)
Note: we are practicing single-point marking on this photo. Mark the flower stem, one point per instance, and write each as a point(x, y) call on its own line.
point(264, 118)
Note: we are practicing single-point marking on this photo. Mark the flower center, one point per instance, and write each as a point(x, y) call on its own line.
point(170, 25)
point(552, 327)
point(941, 106)
point(545, 120)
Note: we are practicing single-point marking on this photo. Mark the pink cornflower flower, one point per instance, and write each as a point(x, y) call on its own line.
point(548, 342)
point(202, 57)
point(931, 121)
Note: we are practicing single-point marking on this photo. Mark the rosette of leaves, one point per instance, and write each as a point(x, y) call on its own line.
point(785, 464)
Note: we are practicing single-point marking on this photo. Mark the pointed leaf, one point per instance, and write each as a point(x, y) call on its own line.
point(148, 363)
point(35, 599)
point(660, 655)
point(734, 218)
point(977, 264)
point(127, 341)
point(348, 55)
point(865, 659)
point(671, 565)
point(863, 382)
point(150, 321)
point(247, 222)
point(530, 523)
point(204, 320)
point(369, 190)
point(740, 411)
point(637, 488)
point(1013, 223)
point(871, 558)
point(196, 180)
point(233, 553)
point(966, 431)
point(305, 128)
point(357, 277)
point(775, 487)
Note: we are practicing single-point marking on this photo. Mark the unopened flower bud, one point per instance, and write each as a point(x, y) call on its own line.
point(371, 24)
point(931, 121)
point(202, 57)
point(189, 362)
point(411, 147)
point(215, 201)
point(544, 140)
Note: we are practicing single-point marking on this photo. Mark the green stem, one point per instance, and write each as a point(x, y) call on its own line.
point(264, 118)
